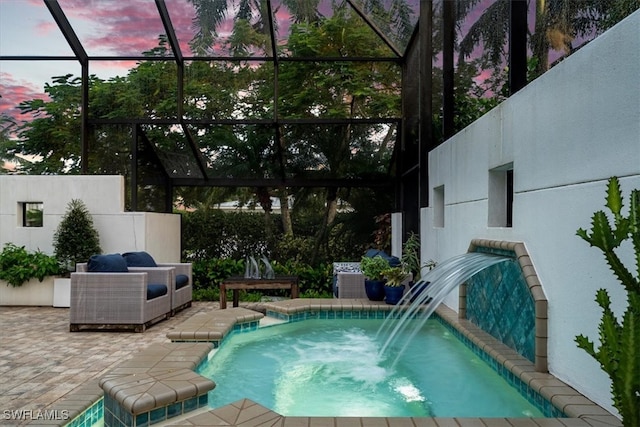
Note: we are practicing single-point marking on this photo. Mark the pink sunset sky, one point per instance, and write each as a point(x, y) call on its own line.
point(105, 28)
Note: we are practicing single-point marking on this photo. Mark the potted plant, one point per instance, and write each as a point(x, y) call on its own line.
point(411, 261)
point(19, 269)
point(74, 241)
point(372, 268)
point(393, 288)
point(411, 255)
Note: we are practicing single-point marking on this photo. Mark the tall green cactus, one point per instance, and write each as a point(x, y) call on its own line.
point(619, 352)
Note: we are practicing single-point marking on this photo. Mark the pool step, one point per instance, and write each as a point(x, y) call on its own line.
point(214, 326)
point(155, 385)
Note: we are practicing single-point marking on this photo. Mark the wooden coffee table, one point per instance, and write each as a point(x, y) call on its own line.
point(237, 283)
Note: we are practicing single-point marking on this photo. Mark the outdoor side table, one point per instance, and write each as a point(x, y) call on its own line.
point(237, 283)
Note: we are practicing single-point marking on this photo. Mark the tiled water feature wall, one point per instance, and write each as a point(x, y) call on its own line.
point(506, 300)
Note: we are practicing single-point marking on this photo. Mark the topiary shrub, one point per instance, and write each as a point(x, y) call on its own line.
point(75, 239)
point(619, 351)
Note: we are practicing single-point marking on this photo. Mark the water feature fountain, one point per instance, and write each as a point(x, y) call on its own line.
point(436, 284)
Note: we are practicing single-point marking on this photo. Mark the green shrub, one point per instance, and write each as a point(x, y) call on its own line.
point(207, 276)
point(17, 265)
point(75, 239)
point(374, 267)
point(212, 233)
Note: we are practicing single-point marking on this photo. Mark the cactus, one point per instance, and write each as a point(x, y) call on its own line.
point(619, 351)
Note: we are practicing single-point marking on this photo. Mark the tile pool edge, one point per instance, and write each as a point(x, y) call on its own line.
point(582, 411)
point(518, 369)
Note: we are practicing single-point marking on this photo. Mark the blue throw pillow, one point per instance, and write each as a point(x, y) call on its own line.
point(182, 280)
point(139, 259)
point(394, 261)
point(110, 263)
point(155, 291)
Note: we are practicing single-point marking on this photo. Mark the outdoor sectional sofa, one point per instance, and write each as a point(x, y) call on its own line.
point(182, 286)
point(106, 293)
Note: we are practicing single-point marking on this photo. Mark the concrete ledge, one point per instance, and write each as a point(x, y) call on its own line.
point(141, 393)
point(326, 304)
point(162, 357)
point(214, 326)
point(562, 396)
point(156, 384)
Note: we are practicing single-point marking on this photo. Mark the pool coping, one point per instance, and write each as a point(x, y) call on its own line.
point(215, 326)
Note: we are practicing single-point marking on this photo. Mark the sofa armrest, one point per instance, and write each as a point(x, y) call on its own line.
point(181, 298)
point(180, 267)
point(159, 275)
point(108, 298)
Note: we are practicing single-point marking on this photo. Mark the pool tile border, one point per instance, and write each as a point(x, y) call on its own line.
point(583, 412)
point(561, 398)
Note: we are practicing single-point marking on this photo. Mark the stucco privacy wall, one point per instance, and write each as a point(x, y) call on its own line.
point(120, 231)
point(563, 135)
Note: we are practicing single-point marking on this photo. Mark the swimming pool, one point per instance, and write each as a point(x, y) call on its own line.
point(333, 368)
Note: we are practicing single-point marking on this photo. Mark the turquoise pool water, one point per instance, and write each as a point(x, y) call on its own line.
point(332, 368)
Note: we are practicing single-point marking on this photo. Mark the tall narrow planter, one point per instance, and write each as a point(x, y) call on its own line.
point(62, 292)
point(33, 292)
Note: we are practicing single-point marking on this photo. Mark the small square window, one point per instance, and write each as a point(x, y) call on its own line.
point(32, 214)
point(438, 206)
point(501, 196)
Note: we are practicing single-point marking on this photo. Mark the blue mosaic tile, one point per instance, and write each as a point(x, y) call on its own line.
point(499, 302)
point(142, 420)
point(174, 410)
point(158, 415)
point(203, 400)
point(126, 418)
point(523, 388)
point(191, 404)
point(108, 418)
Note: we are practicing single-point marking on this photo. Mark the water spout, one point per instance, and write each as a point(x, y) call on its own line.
point(443, 279)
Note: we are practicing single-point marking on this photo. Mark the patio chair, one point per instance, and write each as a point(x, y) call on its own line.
point(111, 296)
point(182, 287)
point(348, 280)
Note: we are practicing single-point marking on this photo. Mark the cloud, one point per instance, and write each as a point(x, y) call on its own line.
point(14, 92)
point(43, 29)
point(125, 27)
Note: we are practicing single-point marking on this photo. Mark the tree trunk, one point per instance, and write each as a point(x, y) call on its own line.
point(541, 44)
point(264, 198)
point(285, 213)
point(329, 216)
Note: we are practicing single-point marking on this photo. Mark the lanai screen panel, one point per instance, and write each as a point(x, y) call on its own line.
point(228, 90)
point(114, 27)
point(395, 19)
point(221, 28)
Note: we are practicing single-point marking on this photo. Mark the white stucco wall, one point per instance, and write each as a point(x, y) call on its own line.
point(565, 134)
point(120, 231)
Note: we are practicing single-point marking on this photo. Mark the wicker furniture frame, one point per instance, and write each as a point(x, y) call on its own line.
point(180, 298)
point(110, 301)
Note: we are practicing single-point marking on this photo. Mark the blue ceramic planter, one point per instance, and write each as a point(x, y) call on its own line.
point(374, 289)
point(393, 294)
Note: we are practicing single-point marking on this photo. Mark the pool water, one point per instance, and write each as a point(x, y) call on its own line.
point(332, 368)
